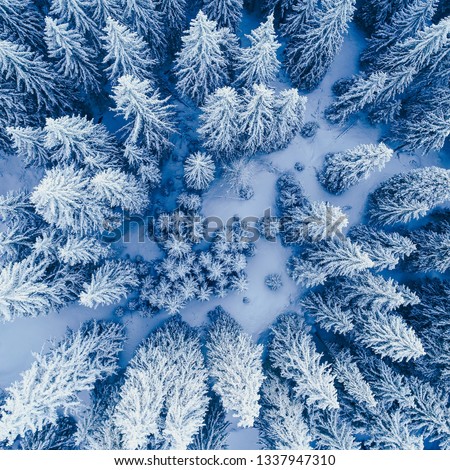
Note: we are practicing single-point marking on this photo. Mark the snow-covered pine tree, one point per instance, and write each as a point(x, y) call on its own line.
point(331, 431)
point(281, 423)
point(375, 13)
point(31, 74)
point(214, 433)
point(408, 196)
point(120, 189)
point(302, 12)
point(28, 289)
point(219, 128)
point(20, 21)
point(430, 412)
point(313, 222)
point(310, 52)
point(348, 373)
point(385, 249)
point(163, 399)
point(293, 353)
point(13, 112)
point(144, 18)
point(329, 258)
point(237, 382)
point(433, 249)
point(58, 436)
point(227, 13)
point(258, 64)
point(239, 174)
point(150, 117)
point(82, 250)
point(363, 91)
point(75, 60)
point(341, 170)
point(126, 52)
point(174, 13)
point(109, 284)
point(399, 67)
point(101, 10)
point(290, 110)
point(425, 126)
point(393, 430)
point(388, 335)
point(201, 66)
point(55, 379)
point(78, 14)
point(257, 119)
point(373, 293)
point(76, 139)
point(64, 199)
point(327, 310)
point(28, 142)
point(199, 170)
point(406, 22)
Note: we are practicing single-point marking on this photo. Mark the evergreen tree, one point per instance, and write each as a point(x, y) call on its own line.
point(302, 13)
point(58, 436)
point(28, 289)
point(331, 432)
point(144, 18)
point(258, 64)
point(388, 335)
point(28, 143)
point(293, 353)
point(257, 118)
point(219, 128)
point(77, 14)
point(75, 59)
point(326, 308)
point(20, 21)
point(77, 139)
point(120, 189)
point(281, 423)
point(405, 23)
point(54, 380)
point(109, 284)
point(199, 171)
point(433, 249)
point(150, 118)
point(236, 382)
point(290, 110)
point(227, 13)
point(126, 52)
point(64, 199)
point(342, 170)
point(201, 66)
point(385, 249)
point(423, 128)
point(329, 258)
point(30, 73)
point(348, 373)
point(311, 51)
point(408, 196)
point(374, 293)
point(82, 250)
point(214, 433)
point(363, 91)
point(403, 62)
point(163, 399)
point(174, 14)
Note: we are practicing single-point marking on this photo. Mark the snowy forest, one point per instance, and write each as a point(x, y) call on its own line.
point(225, 224)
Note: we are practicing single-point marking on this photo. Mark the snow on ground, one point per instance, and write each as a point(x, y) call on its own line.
point(18, 340)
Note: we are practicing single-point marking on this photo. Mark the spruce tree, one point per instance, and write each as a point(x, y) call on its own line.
point(201, 66)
